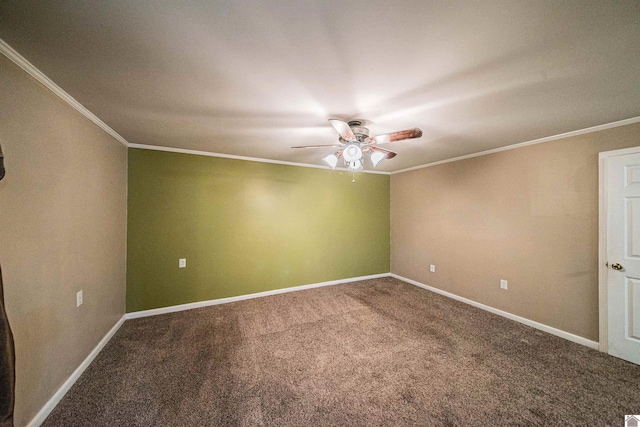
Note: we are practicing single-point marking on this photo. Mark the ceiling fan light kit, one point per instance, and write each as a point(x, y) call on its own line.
point(352, 153)
point(356, 166)
point(377, 157)
point(354, 141)
point(331, 160)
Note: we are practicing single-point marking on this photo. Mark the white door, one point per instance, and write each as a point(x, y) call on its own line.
point(623, 256)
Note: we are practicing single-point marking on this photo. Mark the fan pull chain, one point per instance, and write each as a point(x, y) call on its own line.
point(354, 177)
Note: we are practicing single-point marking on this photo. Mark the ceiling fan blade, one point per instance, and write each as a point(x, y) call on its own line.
point(395, 136)
point(319, 146)
point(390, 154)
point(343, 129)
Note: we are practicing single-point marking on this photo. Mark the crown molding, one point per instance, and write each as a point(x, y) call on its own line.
point(21, 62)
point(27, 66)
point(249, 159)
point(591, 129)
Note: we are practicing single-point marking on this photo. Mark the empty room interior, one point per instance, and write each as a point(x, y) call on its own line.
point(291, 213)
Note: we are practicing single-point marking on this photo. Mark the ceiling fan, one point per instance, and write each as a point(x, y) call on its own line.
point(354, 142)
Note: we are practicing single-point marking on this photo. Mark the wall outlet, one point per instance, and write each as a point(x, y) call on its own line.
point(79, 299)
point(182, 263)
point(432, 268)
point(503, 284)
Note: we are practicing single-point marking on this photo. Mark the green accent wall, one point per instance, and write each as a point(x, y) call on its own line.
point(247, 227)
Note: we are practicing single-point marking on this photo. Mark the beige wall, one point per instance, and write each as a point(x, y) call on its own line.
point(62, 228)
point(528, 215)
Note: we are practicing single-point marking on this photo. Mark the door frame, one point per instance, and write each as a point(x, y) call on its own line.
point(603, 270)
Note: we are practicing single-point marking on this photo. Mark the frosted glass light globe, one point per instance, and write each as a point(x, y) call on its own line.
point(352, 153)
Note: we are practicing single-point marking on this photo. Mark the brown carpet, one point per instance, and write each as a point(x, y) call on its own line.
point(373, 353)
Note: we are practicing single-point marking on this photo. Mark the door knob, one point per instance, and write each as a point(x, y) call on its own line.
point(616, 266)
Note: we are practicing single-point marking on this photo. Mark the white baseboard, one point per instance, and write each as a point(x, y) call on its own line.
point(199, 304)
point(51, 404)
point(58, 395)
point(560, 333)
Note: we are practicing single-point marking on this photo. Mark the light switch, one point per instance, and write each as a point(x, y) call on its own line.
point(182, 263)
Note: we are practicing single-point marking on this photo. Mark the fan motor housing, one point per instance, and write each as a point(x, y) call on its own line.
point(359, 130)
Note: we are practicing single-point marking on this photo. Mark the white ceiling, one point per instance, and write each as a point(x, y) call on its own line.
point(253, 78)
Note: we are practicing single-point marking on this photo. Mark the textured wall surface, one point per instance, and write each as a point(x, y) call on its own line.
point(528, 215)
point(246, 227)
point(63, 228)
